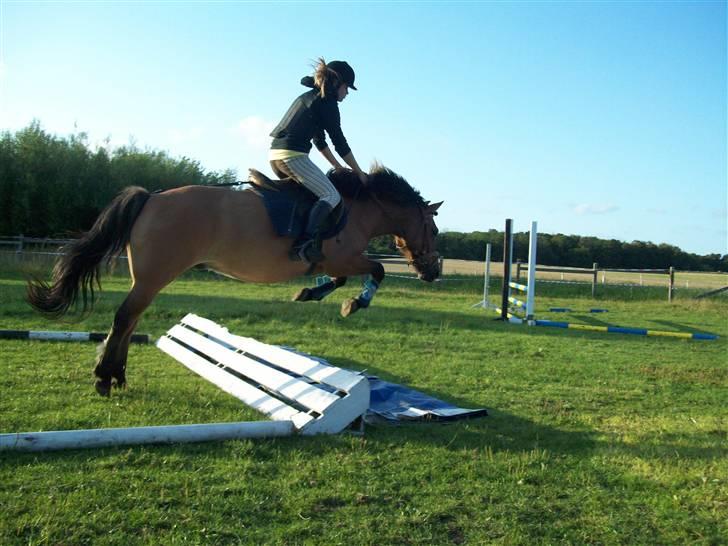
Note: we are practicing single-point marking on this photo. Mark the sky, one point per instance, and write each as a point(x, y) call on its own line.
point(603, 119)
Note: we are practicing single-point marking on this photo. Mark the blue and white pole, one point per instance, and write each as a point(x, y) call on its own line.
point(40, 335)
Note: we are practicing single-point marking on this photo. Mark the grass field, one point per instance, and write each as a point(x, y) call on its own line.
point(592, 438)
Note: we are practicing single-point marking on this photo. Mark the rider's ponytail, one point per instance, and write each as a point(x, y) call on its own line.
point(325, 79)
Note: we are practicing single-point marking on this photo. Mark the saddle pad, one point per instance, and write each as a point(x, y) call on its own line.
point(288, 211)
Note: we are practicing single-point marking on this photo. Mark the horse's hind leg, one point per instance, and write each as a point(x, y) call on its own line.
point(111, 363)
point(320, 292)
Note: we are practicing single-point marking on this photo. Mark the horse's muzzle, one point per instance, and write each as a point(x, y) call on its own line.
point(430, 271)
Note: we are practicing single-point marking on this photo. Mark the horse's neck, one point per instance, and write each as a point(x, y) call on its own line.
point(374, 219)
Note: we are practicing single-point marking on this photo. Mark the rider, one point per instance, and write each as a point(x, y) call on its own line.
point(311, 114)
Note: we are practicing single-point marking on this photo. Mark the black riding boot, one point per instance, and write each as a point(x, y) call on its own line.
point(308, 246)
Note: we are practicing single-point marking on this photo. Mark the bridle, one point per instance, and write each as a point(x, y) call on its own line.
point(419, 260)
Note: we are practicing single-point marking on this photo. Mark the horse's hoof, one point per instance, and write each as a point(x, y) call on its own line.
point(103, 387)
point(348, 307)
point(303, 295)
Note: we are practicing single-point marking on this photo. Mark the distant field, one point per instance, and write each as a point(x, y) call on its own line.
point(683, 279)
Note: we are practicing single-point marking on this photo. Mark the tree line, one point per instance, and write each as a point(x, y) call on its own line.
point(54, 186)
point(570, 251)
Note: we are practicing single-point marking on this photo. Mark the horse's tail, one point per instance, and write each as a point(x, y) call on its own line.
point(78, 268)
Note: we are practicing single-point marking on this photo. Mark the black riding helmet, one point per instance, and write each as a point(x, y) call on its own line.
point(342, 69)
point(345, 72)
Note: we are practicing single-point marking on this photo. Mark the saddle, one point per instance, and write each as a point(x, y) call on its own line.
point(288, 204)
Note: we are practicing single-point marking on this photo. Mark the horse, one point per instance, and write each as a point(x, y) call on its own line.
point(164, 234)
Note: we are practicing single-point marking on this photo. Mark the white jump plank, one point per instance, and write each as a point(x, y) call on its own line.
point(290, 387)
point(299, 364)
point(245, 392)
point(342, 413)
point(330, 375)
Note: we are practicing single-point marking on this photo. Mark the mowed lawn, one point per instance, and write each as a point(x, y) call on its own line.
point(591, 439)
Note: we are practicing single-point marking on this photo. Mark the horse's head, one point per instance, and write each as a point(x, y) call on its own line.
point(407, 215)
point(417, 242)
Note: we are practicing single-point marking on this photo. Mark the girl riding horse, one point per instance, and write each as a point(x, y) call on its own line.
point(311, 115)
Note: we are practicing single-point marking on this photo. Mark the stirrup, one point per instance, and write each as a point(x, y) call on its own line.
point(307, 251)
point(294, 254)
point(312, 253)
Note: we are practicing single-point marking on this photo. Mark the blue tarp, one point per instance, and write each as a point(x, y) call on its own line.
point(392, 402)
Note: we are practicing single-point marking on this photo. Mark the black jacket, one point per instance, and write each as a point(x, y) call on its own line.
point(307, 119)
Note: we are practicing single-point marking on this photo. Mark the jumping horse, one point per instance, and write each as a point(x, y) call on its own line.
point(164, 234)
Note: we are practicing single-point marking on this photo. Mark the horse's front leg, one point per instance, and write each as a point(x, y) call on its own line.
point(375, 276)
point(320, 292)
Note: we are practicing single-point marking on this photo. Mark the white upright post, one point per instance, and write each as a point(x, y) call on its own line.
point(510, 250)
point(531, 296)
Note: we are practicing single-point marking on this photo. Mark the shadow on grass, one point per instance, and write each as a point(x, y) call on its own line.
point(503, 431)
point(588, 319)
point(679, 327)
point(500, 432)
point(667, 325)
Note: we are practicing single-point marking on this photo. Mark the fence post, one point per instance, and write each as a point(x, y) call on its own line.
point(595, 267)
point(486, 276)
point(671, 286)
point(19, 249)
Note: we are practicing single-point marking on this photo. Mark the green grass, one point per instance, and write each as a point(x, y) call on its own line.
point(592, 439)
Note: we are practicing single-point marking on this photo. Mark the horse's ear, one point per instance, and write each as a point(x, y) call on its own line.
point(433, 208)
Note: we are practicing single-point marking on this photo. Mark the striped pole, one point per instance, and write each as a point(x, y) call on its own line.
point(519, 287)
point(40, 335)
point(624, 330)
point(510, 316)
point(569, 310)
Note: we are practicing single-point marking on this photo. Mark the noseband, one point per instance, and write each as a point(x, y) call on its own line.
point(420, 260)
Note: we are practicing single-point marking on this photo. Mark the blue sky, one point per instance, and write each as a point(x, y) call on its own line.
point(594, 118)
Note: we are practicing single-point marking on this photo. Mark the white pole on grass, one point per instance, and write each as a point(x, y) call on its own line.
point(531, 295)
point(170, 434)
point(486, 276)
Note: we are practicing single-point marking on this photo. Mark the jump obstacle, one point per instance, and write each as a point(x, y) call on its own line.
point(570, 310)
point(624, 330)
point(510, 305)
point(300, 394)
